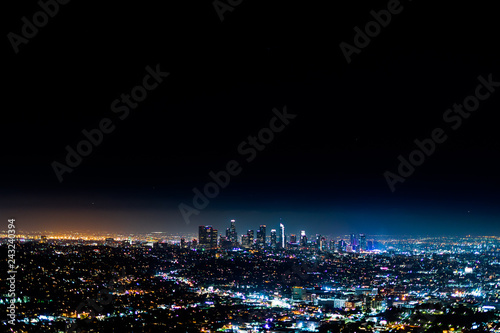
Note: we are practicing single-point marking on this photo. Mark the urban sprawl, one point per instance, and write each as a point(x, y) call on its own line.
point(260, 281)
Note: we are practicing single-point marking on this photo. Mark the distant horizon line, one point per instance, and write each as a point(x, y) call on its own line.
point(19, 234)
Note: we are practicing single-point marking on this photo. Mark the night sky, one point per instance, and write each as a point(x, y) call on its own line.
point(323, 172)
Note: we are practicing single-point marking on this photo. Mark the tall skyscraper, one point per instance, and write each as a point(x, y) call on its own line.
point(250, 234)
point(233, 236)
point(274, 243)
point(214, 238)
point(354, 242)
point(293, 239)
point(245, 241)
point(303, 238)
point(282, 235)
point(207, 237)
point(261, 236)
point(202, 236)
point(318, 242)
point(342, 246)
point(322, 243)
point(362, 242)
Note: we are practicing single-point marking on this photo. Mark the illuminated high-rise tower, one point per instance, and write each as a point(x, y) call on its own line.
point(233, 236)
point(362, 242)
point(245, 241)
point(354, 242)
point(250, 234)
point(202, 235)
point(318, 242)
point(303, 238)
point(261, 236)
point(214, 238)
point(342, 246)
point(274, 243)
point(207, 236)
point(323, 244)
point(282, 235)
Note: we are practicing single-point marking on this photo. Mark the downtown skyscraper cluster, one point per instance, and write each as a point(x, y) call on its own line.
point(209, 238)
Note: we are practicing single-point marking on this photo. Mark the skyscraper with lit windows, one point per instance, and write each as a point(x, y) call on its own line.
point(207, 237)
point(282, 236)
point(274, 243)
point(362, 242)
point(354, 242)
point(233, 236)
point(250, 234)
point(303, 238)
point(261, 236)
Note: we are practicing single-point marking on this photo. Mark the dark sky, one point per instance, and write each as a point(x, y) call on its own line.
point(324, 172)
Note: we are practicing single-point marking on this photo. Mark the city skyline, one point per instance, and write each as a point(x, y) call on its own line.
point(450, 282)
point(343, 220)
